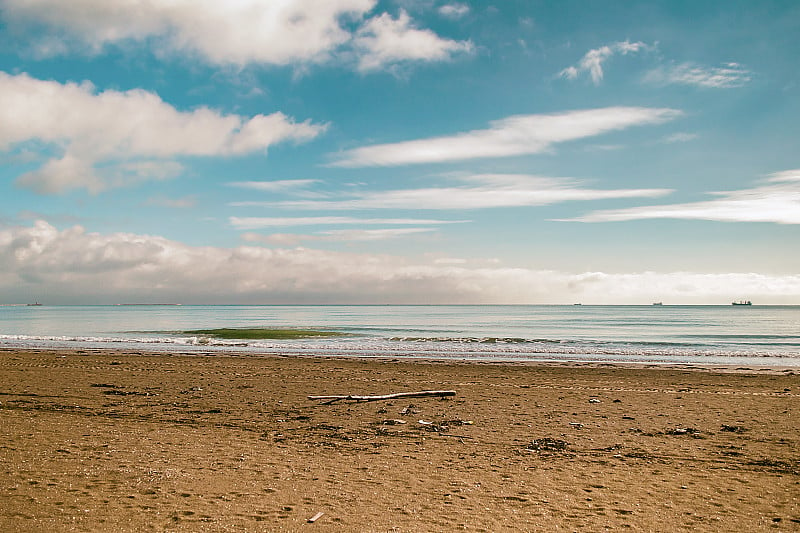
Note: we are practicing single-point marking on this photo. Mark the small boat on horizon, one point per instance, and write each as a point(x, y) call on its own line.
point(742, 302)
point(658, 303)
point(36, 304)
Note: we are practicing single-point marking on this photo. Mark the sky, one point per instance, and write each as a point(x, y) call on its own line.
point(399, 152)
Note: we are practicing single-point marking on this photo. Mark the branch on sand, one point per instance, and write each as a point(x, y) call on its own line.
point(336, 398)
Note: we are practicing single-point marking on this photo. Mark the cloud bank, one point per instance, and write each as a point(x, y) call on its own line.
point(240, 33)
point(73, 266)
point(511, 136)
point(97, 140)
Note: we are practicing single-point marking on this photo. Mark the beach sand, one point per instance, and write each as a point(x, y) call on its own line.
point(122, 441)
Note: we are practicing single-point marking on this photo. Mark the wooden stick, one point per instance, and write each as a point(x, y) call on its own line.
point(334, 398)
point(315, 517)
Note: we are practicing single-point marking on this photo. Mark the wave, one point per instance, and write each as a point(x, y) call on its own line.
point(185, 341)
point(743, 337)
point(447, 347)
point(559, 342)
point(469, 340)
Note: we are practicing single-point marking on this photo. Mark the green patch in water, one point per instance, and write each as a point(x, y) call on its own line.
point(262, 333)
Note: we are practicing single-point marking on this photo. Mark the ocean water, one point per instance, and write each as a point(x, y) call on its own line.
point(732, 335)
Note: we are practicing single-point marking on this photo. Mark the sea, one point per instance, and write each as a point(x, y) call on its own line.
point(752, 335)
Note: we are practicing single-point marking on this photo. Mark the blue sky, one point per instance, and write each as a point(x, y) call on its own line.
point(407, 151)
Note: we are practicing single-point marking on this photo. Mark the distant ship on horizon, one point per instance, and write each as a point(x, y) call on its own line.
point(742, 302)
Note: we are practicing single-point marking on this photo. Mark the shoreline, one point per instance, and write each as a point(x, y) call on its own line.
point(412, 358)
point(128, 441)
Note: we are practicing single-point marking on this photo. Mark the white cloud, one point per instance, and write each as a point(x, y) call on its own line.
point(481, 192)
point(241, 32)
point(33, 216)
point(279, 239)
point(454, 11)
point(273, 186)
point(680, 137)
point(777, 201)
point(173, 203)
point(372, 234)
point(133, 135)
point(592, 61)
point(384, 40)
point(511, 136)
point(604, 147)
point(250, 223)
point(449, 261)
point(74, 266)
point(275, 32)
point(728, 76)
point(59, 175)
point(342, 235)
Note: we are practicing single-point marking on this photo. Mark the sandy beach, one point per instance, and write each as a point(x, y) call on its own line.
point(123, 441)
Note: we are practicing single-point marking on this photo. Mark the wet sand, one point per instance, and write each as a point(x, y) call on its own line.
point(121, 441)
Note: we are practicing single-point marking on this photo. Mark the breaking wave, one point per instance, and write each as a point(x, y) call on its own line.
point(515, 348)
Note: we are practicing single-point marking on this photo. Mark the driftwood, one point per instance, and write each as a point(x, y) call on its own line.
point(336, 398)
